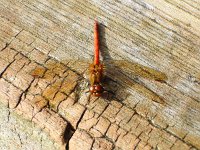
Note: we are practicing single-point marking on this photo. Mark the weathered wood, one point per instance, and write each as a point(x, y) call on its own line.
point(159, 37)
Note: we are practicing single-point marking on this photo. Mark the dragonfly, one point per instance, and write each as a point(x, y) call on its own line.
point(96, 68)
point(114, 69)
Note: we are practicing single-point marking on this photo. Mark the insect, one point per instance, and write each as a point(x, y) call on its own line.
point(96, 68)
point(126, 73)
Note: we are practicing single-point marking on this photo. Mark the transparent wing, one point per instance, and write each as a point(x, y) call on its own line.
point(121, 71)
point(80, 66)
point(135, 69)
point(135, 85)
point(52, 68)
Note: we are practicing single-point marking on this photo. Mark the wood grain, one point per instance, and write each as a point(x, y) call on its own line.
point(162, 35)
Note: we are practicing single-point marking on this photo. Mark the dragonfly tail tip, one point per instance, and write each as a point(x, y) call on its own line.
point(95, 22)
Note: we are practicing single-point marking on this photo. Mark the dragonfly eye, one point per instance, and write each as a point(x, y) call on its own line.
point(92, 88)
point(98, 88)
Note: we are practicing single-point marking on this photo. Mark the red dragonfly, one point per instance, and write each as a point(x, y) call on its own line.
point(96, 69)
point(120, 71)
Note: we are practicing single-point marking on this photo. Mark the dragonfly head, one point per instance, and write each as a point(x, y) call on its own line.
point(96, 90)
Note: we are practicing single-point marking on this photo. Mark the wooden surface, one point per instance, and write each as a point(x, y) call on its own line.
point(163, 36)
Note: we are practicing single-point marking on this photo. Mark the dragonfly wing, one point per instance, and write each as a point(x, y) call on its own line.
point(148, 93)
point(139, 87)
point(79, 65)
point(53, 67)
point(116, 72)
point(137, 70)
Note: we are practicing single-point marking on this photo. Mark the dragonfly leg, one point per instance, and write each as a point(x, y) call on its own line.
point(87, 91)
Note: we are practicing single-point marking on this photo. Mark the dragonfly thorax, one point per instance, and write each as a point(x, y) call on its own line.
point(96, 74)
